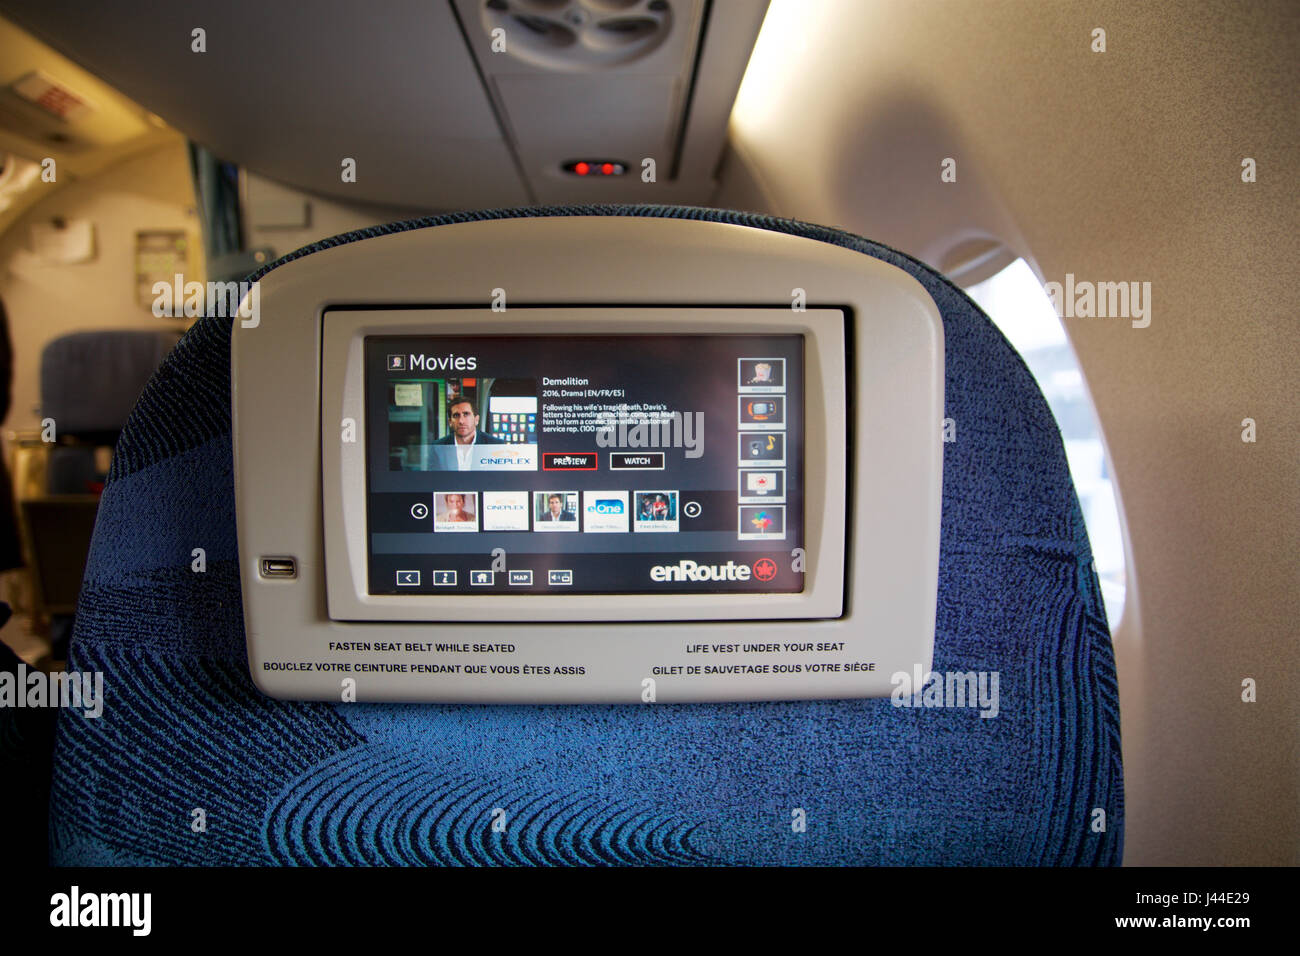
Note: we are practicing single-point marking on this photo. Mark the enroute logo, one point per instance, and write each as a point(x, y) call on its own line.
point(687, 570)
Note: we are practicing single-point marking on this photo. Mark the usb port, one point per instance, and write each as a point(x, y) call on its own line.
point(279, 568)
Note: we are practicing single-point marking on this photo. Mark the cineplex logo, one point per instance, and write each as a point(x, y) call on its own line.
point(76, 908)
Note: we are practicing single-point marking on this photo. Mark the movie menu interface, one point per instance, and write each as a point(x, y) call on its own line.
point(584, 464)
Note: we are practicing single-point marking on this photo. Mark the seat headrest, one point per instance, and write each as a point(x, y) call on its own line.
point(90, 380)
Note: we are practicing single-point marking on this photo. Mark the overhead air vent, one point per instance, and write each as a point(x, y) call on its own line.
point(577, 35)
point(642, 86)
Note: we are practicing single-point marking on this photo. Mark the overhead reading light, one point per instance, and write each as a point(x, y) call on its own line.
point(595, 167)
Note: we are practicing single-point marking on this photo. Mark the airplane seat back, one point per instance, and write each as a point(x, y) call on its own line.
point(190, 764)
point(89, 384)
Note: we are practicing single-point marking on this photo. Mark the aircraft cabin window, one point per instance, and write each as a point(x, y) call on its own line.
point(1016, 302)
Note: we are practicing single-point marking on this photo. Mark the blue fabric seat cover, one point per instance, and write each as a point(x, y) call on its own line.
point(312, 783)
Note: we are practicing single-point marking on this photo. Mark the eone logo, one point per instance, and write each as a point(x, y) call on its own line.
point(765, 569)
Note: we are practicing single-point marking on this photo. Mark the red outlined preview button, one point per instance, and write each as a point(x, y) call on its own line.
point(569, 461)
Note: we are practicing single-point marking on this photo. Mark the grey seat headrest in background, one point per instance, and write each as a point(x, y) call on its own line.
point(90, 380)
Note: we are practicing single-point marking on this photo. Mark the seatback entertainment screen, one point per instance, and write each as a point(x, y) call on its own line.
point(535, 464)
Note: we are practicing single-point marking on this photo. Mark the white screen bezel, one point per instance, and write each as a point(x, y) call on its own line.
point(894, 341)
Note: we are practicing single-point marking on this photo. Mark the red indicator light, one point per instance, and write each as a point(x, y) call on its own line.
point(607, 169)
point(582, 169)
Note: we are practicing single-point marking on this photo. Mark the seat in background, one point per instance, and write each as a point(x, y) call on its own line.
point(89, 383)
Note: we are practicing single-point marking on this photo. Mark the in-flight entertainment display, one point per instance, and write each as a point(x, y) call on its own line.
point(584, 464)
